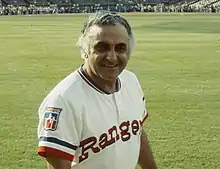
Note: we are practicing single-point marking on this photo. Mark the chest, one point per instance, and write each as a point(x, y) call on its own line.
point(104, 112)
point(109, 120)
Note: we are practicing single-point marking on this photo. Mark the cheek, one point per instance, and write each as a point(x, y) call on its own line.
point(99, 57)
point(94, 60)
point(123, 59)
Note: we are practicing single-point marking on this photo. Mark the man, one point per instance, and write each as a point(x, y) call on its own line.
point(93, 118)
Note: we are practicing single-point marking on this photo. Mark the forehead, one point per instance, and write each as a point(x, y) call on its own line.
point(111, 34)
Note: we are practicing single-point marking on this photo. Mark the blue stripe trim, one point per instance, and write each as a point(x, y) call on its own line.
point(57, 141)
point(88, 81)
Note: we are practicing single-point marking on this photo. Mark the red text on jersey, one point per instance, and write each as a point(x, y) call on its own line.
point(97, 144)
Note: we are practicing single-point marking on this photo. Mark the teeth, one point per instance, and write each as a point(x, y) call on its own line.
point(110, 66)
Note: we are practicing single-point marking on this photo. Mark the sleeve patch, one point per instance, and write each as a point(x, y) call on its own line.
point(51, 118)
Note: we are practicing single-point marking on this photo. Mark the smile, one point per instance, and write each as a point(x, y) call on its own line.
point(110, 66)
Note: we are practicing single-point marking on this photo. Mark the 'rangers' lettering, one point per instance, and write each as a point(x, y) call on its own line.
point(106, 139)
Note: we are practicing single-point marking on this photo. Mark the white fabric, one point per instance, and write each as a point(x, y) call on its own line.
point(91, 118)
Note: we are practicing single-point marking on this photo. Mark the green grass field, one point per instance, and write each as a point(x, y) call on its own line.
point(177, 59)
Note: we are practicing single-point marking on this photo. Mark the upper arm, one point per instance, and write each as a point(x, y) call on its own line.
point(57, 163)
point(59, 129)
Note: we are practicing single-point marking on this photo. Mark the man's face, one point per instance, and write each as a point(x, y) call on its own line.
point(108, 51)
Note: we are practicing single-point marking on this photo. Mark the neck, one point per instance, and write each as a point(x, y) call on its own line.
point(106, 85)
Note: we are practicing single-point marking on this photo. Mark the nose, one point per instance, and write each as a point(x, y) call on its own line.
point(111, 56)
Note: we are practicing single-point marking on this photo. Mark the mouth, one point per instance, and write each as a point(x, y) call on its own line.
point(109, 66)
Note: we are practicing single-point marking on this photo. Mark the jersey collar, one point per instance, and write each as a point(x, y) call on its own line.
point(84, 75)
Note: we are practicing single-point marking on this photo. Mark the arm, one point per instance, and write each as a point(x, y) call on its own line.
point(57, 163)
point(146, 159)
point(59, 128)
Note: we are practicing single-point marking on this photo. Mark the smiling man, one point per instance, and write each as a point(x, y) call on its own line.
point(93, 118)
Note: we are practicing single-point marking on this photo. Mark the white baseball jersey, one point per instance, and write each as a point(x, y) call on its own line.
point(80, 122)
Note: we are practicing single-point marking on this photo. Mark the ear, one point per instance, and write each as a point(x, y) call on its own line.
point(83, 52)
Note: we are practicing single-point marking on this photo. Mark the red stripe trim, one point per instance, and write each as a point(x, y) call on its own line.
point(146, 116)
point(51, 152)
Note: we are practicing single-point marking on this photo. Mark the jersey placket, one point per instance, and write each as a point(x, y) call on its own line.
point(118, 105)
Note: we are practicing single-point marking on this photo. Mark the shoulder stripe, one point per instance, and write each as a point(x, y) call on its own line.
point(57, 141)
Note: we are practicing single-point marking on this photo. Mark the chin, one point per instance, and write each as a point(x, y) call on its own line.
point(110, 78)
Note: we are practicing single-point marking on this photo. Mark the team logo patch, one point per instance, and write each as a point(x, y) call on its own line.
point(51, 118)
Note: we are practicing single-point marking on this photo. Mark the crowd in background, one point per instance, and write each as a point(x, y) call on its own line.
point(76, 8)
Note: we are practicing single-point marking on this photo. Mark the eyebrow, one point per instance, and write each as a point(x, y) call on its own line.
point(106, 43)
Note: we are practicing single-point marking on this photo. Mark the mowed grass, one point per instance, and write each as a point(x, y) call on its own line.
point(176, 59)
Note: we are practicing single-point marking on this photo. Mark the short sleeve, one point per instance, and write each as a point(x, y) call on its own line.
point(142, 100)
point(59, 129)
point(145, 112)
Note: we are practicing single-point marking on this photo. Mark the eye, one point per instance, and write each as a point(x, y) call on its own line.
point(121, 48)
point(101, 47)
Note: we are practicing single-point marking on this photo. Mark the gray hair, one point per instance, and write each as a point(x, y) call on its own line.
point(103, 18)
